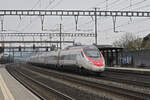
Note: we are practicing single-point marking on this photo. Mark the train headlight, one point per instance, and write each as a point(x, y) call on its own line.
point(90, 62)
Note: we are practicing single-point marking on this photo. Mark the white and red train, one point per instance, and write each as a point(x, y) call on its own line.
point(80, 57)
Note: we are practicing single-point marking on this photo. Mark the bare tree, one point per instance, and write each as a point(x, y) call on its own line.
point(146, 42)
point(129, 41)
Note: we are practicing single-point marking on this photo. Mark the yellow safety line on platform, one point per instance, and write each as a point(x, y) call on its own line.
point(6, 92)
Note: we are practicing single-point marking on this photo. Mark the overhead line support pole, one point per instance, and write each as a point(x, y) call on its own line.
point(114, 23)
point(95, 26)
point(2, 23)
point(60, 35)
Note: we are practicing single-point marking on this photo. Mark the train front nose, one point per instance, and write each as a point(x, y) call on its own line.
point(98, 69)
point(94, 58)
point(98, 66)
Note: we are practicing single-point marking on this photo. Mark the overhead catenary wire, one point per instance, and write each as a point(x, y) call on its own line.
point(38, 2)
point(145, 6)
point(100, 3)
point(18, 25)
point(37, 17)
point(55, 5)
point(50, 3)
point(106, 2)
point(134, 5)
point(127, 23)
point(112, 3)
point(115, 4)
point(108, 29)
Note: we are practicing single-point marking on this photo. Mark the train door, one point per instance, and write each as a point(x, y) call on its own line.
point(58, 58)
point(79, 58)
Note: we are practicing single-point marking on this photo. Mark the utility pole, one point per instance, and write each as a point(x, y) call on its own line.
point(2, 23)
point(60, 35)
point(95, 26)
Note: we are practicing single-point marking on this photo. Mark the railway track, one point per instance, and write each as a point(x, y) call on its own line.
point(37, 87)
point(117, 90)
point(142, 81)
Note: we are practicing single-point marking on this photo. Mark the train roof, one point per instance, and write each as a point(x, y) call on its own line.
point(79, 47)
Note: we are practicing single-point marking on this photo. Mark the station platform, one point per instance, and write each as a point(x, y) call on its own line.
point(129, 69)
point(11, 89)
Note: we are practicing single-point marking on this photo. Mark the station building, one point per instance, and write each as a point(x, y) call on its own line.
point(112, 55)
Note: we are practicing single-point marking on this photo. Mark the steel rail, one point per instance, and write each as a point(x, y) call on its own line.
point(115, 89)
point(17, 77)
point(66, 97)
point(125, 79)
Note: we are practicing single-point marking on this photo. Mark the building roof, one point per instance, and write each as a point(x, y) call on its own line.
point(107, 47)
point(146, 41)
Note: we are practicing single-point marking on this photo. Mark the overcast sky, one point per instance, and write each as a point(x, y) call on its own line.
point(136, 26)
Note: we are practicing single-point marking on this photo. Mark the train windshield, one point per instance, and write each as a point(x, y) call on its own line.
point(92, 52)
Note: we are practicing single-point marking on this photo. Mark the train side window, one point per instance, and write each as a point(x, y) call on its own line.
point(73, 57)
point(62, 57)
point(82, 54)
